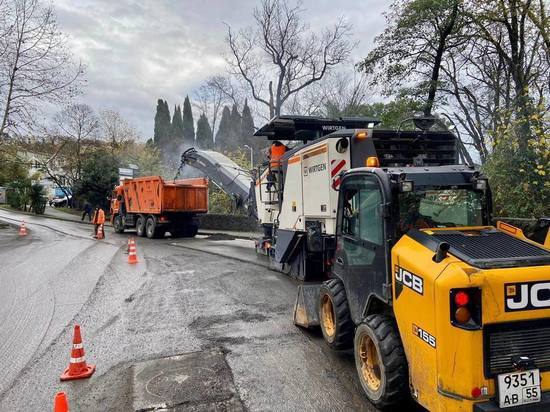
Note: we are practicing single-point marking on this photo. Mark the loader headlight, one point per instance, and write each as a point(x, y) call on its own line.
point(480, 184)
point(406, 186)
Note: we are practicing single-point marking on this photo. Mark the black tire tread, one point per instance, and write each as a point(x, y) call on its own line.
point(344, 325)
point(393, 358)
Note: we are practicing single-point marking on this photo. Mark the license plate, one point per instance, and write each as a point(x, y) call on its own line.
point(518, 388)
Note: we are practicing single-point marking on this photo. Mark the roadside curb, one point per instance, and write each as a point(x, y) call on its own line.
point(48, 216)
point(232, 234)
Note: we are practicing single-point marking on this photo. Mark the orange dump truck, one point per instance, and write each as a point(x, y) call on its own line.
point(154, 206)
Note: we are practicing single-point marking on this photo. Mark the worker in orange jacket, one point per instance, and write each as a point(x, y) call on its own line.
point(98, 220)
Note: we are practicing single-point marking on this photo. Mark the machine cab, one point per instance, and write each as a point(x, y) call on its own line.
point(377, 207)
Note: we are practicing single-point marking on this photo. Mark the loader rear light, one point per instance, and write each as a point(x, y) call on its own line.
point(476, 392)
point(466, 308)
point(462, 298)
point(462, 315)
point(361, 135)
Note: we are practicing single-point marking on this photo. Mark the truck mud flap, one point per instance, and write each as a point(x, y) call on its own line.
point(306, 313)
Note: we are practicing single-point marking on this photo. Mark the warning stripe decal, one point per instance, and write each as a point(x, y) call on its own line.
point(337, 168)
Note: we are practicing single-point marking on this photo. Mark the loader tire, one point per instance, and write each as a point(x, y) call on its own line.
point(381, 362)
point(334, 316)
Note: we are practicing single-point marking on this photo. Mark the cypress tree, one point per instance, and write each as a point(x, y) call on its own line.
point(247, 123)
point(223, 135)
point(236, 126)
point(204, 133)
point(162, 124)
point(188, 123)
point(177, 127)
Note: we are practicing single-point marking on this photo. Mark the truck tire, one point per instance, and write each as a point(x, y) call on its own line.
point(190, 230)
point(152, 230)
point(117, 224)
point(334, 316)
point(140, 226)
point(380, 361)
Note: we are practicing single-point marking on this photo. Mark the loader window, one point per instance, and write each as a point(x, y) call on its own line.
point(361, 216)
point(440, 207)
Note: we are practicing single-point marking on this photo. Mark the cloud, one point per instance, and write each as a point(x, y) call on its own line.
point(137, 52)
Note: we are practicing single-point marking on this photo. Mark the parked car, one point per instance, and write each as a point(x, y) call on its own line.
point(60, 201)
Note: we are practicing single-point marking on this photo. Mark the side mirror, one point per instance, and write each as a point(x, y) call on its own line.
point(441, 252)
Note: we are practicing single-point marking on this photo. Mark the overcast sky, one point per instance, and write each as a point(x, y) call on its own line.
point(139, 51)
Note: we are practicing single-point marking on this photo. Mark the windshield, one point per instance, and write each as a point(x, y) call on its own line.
point(441, 207)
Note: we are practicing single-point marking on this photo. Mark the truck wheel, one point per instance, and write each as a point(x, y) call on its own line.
point(152, 230)
point(140, 226)
point(190, 230)
point(117, 224)
point(334, 316)
point(380, 361)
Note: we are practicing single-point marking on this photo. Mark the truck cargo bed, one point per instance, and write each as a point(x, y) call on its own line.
point(153, 195)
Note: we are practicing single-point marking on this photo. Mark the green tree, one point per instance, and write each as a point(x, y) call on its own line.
point(204, 133)
point(163, 126)
point(412, 48)
point(11, 168)
point(188, 123)
point(247, 132)
point(223, 135)
point(99, 176)
point(177, 128)
point(236, 126)
point(391, 114)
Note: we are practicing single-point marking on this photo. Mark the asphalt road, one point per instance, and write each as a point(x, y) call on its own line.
point(209, 299)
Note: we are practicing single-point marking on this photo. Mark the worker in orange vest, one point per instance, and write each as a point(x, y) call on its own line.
point(98, 220)
point(276, 151)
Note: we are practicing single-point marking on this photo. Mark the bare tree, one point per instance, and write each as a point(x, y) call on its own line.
point(280, 56)
point(76, 128)
point(211, 96)
point(115, 129)
point(518, 42)
point(35, 64)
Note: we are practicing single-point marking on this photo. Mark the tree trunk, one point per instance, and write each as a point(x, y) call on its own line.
point(441, 48)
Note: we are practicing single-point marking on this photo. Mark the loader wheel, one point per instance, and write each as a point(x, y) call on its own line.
point(140, 226)
point(117, 224)
point(380, 361)
point(334, 316)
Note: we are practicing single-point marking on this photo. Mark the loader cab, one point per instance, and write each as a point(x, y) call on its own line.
point(379, 206)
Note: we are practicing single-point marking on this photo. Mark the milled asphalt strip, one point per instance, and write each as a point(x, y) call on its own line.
point(260, 264)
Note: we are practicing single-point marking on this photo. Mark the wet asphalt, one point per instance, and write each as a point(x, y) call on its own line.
point(203, 296)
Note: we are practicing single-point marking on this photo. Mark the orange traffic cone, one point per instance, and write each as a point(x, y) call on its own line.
point(78, 368)
point(132, 255)
point(100, 234)
point(130, 241)
point(23, 229)
point(60, 403)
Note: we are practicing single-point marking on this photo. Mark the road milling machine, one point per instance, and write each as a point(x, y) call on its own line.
point(392, 241)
